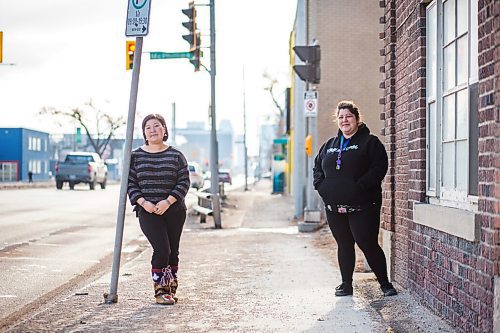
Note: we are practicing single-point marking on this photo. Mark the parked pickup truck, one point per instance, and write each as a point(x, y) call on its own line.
point(81, 167)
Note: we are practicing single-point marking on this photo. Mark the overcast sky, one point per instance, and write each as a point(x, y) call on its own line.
point(65, 52)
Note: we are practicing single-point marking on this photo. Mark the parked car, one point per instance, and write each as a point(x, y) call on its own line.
point(225, 176)
point(81, 167)
point(195, 175)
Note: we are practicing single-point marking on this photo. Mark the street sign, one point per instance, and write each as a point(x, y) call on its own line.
point(138, 17)
point(311, 103)
point(170, 55)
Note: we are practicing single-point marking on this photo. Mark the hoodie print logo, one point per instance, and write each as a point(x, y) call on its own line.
point(336, 150)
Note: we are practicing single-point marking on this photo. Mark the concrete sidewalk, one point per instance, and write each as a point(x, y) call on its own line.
point(257, 274)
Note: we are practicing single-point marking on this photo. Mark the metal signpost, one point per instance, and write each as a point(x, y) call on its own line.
point(137, 25)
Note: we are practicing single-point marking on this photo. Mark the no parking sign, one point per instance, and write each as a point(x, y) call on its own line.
point(311, 103)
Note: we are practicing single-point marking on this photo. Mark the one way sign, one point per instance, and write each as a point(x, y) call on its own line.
point(138, 17)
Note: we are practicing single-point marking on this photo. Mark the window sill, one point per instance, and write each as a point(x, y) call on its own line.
point(456, 222)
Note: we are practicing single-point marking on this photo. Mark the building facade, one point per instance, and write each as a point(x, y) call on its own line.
point(441, 195)
point(347, 32)
point(23, 151)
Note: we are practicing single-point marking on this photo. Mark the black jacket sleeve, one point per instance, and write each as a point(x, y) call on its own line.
point(378, 166)
point(318, 174)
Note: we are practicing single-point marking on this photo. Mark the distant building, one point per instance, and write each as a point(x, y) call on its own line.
point(24, 150)
point(194, 142)
point(266, 148)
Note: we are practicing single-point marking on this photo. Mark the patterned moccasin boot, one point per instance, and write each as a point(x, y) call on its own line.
point(162, 295)
point(162, 279)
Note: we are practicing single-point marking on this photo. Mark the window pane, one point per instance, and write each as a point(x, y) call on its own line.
point(462, 162)
point(432, 145)
point(449, 118)
point(449, 21)
point(462, 112)
point(449, 67)
point(474, 66)
point(431, 51)
point(462, 19)
point(449, 165)
point(462, 55)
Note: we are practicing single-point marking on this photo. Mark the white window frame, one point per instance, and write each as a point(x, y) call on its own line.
point(436, 192)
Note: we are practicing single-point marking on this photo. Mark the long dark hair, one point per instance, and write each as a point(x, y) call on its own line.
point(162, 122)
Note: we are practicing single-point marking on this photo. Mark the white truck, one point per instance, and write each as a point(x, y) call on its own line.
point(81, 167)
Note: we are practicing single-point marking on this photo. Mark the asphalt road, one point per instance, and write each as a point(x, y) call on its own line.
point(50, 237)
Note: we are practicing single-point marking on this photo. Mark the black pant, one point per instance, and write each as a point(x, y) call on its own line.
point(361, 228)
point(164, 234)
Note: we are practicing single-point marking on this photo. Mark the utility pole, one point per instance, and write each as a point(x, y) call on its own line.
point(214, 150)
point(309, 72)
point(245, 148)
point(299, 169)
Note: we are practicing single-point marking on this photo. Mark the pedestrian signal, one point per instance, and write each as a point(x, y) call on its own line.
point(311, 55)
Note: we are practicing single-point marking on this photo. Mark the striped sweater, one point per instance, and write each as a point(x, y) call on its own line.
point(155, 176)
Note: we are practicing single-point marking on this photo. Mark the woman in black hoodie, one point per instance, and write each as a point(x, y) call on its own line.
point(348, 173)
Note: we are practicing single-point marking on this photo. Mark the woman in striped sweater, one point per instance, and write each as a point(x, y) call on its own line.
point(157, 184)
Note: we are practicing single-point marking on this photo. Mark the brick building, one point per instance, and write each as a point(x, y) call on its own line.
point(441, 196)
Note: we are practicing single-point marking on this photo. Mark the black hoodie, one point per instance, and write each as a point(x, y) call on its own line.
point(364, 165)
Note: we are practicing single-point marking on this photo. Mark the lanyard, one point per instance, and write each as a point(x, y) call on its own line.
point(342, 147)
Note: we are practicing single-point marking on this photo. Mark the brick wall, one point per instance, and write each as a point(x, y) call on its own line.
point(488, 264)
point(450, 275)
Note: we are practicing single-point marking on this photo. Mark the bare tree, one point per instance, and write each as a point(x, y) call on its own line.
point(272, 86)
point(91, 119)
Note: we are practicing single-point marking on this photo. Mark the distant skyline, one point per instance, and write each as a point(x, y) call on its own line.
point(67, 52)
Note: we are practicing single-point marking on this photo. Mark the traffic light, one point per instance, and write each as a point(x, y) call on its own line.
point(192, 38)
point(309, 143)
point(130, 50)
point(311, 55)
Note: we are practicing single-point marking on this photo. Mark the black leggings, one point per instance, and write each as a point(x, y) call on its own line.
point(361, 228)
point(164, 234)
